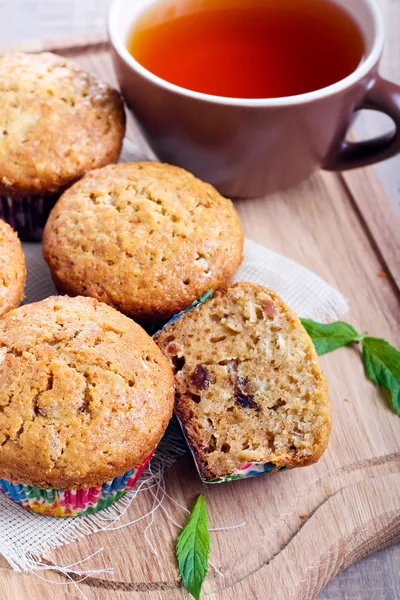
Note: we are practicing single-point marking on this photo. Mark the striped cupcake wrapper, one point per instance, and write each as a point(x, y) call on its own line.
point(27, 216)
point(250, 469)
point(71, 503)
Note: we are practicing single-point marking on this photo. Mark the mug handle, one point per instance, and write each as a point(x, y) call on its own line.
point(383, 96)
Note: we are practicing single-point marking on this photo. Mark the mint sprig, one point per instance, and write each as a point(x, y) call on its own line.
point(381, 360)
point(327, 338)
point(193, 549)
point(382, 365)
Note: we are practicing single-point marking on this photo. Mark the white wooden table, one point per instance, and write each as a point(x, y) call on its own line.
point(377, 576)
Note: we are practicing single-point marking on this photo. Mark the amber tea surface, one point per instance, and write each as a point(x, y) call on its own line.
point(248, 48)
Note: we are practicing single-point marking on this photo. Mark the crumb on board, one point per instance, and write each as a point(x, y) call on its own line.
point(382, 275)
point(347, 400)
point(303, 516)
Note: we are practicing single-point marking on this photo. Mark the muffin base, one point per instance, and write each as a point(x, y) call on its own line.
point(71, 503)
point(248, 469)
point(27, 215)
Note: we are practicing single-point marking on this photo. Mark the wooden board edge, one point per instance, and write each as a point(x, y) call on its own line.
point(351, 538)
point(380, 221)
point(376, 528)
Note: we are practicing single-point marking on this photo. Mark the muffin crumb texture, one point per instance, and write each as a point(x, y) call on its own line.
point(248, 384)
point(56, 123)
point(146, 238)
point(85, 394)
point(12, 269)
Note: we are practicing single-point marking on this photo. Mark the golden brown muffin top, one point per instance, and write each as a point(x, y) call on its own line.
point(85, 394)
point(248, 384)
point(56, 123)
point(146, 238)
point(12, 269)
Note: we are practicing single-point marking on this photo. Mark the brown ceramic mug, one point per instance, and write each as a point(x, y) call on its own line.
point(253, 147)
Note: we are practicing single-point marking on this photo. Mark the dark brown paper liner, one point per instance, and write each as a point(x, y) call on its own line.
point(27, 215)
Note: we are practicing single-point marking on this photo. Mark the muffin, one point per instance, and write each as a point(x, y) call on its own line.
point(146, 238)
point(12, 269)
point(250, 394)
point(85, 397)
point(56, 123)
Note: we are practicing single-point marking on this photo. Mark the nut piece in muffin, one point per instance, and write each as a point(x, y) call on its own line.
point(56, 123)
point(249, 389)
point(12, 269)
point(146, 238)
point(85, 394)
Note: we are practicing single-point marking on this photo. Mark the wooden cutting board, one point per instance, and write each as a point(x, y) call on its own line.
point(302, 526)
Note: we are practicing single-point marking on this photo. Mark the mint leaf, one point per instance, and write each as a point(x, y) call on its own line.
point(382, 365)
point(381, 360)
point(330, 337)
point(193, 549)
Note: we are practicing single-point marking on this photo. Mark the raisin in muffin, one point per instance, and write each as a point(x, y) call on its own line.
point(249, 389)
point(12, 269)
point(56, 123)
point(146, 238)
point(86, 396)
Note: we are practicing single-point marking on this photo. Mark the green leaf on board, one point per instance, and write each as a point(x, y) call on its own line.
point(382, 366)
point(330, 337)
point(193, 549)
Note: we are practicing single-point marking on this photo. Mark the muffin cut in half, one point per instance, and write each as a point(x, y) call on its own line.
point(250, 394)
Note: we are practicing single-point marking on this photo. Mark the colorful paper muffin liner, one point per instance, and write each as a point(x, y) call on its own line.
point(248, 469)
point(72, 503)
point(28, 215)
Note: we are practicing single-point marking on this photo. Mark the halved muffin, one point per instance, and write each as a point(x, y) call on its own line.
point(250, 394)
